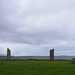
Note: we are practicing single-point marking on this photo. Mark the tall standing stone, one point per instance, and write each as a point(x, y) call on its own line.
point(52, 55)
point(8, 54)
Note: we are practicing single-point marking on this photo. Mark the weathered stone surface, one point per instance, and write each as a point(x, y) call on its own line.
point(73, 60)
point(8, 54)
point(52, 55)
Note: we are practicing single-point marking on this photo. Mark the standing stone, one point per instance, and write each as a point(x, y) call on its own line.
point(52, 55)
point(8, 54)
point(73, 60)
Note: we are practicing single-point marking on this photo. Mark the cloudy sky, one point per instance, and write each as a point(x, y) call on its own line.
point(33, 27)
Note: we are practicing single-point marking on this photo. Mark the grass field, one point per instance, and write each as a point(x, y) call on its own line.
point(36, 67)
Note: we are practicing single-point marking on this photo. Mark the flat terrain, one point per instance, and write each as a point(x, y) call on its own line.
point(36, 67)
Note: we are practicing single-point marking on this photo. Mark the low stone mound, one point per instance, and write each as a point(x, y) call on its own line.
point(73, 60)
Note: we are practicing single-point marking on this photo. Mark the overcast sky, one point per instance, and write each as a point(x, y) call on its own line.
point(33, 27)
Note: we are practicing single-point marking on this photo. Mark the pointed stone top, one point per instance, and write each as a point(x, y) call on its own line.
point(51, 49)
point(8, 49)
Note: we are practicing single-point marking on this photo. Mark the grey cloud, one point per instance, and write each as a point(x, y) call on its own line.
point(37, 23)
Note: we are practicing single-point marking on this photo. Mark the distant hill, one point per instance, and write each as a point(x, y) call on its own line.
point(2, 54)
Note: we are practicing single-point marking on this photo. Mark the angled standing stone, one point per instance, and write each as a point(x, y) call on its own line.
point(8, 54)
point(52, 55)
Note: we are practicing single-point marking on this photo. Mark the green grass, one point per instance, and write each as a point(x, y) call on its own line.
point(36, 67)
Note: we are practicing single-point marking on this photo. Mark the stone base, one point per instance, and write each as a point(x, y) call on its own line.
point(73, 60)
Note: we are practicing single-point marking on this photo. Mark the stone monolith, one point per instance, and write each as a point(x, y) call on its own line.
point(8, 54)
point(52, 55)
